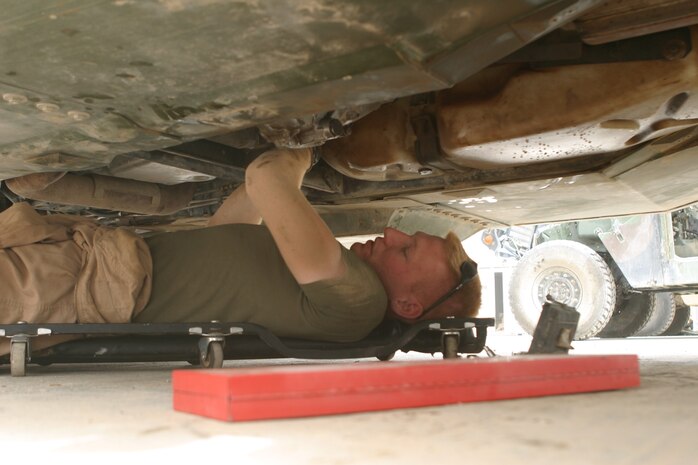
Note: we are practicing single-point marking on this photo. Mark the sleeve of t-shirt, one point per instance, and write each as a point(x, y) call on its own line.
point(348, 307)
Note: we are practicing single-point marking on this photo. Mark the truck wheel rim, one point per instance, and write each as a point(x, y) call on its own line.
point(560, 284)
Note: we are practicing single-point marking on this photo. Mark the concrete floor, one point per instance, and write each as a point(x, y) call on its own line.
point(122, 413)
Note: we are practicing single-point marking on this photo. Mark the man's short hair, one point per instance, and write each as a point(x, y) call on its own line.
point(466, 302)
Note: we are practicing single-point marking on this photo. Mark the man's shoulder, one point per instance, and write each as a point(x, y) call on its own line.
point(358, 287)
point(349, 307)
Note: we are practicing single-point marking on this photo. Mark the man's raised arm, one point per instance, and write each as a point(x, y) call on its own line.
point(237, 208)
point(306, 243)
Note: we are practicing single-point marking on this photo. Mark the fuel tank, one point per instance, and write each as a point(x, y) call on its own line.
point(510, 115)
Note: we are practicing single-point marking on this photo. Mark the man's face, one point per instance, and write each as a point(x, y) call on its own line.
point(402, 260)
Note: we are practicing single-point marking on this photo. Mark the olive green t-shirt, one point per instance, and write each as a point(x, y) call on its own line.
point(235, 273)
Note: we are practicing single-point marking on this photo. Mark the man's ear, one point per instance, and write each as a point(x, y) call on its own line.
point(407, 307)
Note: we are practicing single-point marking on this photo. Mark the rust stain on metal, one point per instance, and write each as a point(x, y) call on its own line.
point(381, 147)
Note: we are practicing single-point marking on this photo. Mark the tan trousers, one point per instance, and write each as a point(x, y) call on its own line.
point(68, 269)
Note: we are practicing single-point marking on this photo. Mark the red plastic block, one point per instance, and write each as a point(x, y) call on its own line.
point(240, 394)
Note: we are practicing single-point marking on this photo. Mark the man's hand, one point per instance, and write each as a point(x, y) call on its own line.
point(306, 243)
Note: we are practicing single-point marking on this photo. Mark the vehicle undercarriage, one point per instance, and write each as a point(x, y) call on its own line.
point(432, 115)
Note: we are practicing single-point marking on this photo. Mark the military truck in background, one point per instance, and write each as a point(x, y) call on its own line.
point(627, 276)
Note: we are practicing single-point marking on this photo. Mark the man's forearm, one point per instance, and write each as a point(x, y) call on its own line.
point(304, 240)
point(237, 208)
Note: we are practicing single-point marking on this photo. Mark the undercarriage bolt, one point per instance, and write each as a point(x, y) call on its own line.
point(674, 50)
point(14, 99)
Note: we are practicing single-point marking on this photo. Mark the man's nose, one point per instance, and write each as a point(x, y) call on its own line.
point(392, 235)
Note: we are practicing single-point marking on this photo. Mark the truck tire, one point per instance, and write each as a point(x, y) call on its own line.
point(569, 272)
point(663, 311)
point(681, 319)
point(630, 315)
point(632, 310)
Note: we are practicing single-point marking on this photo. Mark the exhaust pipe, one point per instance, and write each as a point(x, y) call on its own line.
point(107, 192)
